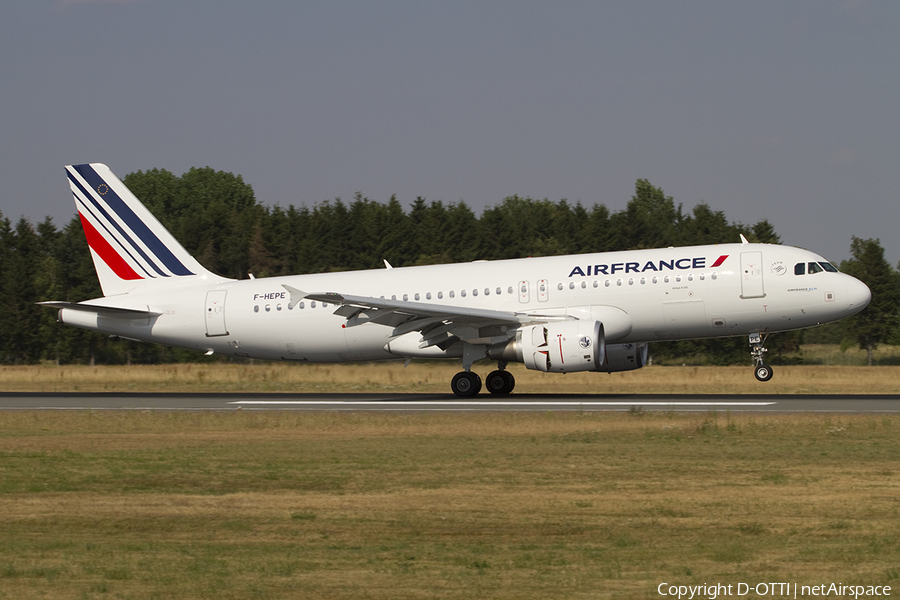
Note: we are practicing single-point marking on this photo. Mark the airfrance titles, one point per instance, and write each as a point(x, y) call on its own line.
point(650, 265)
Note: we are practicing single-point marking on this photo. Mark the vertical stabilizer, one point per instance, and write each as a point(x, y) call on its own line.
point(129, 246)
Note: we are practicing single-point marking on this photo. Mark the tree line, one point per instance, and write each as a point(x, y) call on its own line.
point(216, 216)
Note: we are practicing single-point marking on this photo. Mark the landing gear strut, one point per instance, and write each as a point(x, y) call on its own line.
point(762, 371)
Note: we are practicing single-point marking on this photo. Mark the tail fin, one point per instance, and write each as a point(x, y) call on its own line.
point(129, 246)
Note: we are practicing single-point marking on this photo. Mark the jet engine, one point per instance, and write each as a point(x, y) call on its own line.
point(563, 347)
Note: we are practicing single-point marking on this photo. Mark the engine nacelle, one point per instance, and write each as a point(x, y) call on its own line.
point(563, 347)
point(624, 357)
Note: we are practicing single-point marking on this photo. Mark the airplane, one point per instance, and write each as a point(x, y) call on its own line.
point(559, 314)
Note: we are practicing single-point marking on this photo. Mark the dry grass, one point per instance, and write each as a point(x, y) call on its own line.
point(435, 377)
point(365, 505)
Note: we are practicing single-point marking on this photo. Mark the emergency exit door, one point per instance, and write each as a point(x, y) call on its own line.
point(215, 313)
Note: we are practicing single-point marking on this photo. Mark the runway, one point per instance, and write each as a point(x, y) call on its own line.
point(411, 402)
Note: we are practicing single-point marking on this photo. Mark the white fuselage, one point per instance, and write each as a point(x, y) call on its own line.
point(641, 295)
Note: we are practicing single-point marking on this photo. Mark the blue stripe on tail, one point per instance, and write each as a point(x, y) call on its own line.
point(133, 221)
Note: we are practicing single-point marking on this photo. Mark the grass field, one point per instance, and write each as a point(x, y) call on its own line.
point(243, 504)
point(516, 505)
point(434, 377)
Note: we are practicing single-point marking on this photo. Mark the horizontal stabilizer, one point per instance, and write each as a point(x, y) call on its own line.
point(106, 311)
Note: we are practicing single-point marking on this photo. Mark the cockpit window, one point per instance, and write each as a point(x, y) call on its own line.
point(814, 267)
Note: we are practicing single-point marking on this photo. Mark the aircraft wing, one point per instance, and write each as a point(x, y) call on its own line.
point(440, 324)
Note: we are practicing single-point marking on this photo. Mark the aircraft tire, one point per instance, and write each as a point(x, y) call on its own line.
point(763, 372)
point(500, 383)
point(466, 384)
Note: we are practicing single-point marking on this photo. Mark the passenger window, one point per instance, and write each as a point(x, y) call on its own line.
point(800, 269)
point(428, 296)
point(814, 268)
point(440, 295)
point(452, 293)
point(417, 296)
point(256, 308)
point(509, 291)
point(571, 285)
point(499, 291)
point(475, 292)
point(405, 297)
point(462, 293)
point(487, 291)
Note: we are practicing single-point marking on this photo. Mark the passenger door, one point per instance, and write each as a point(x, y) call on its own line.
point(215, 313)
point(752, 275)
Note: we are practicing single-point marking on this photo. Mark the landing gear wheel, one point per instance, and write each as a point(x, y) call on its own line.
point(763, 372)
point(500, 383)
point(466, 384)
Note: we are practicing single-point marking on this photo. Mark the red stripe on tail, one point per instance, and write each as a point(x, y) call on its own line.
point(106, 252)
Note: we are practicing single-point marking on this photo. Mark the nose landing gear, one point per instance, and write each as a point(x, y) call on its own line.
point(762, 371)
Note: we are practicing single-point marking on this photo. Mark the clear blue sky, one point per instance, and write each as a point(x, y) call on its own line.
point(786, 111)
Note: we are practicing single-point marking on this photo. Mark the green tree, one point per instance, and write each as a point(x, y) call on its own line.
point(877, 322)
point(651, 219)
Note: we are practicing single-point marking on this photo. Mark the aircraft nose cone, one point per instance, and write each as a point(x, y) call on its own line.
point(858, 295)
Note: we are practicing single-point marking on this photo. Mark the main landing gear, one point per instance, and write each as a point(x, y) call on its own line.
point(762, 371)
point(500, 382)
point(466, 384)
